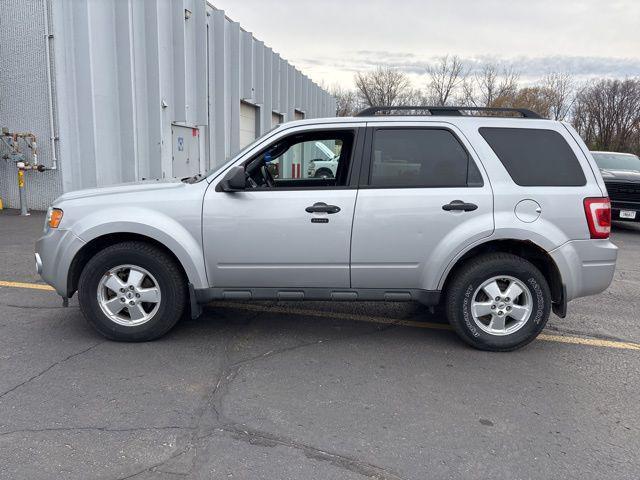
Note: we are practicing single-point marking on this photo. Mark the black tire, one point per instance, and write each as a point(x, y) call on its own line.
point(471, 276)
point(324, 173)
point(163, 267)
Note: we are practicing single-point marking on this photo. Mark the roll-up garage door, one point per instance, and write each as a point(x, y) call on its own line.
point(276, 119)
point(248, 114)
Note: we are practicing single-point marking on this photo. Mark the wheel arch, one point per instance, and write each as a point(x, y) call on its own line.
point(193, 273)
point(526, 249)
point(325, 169)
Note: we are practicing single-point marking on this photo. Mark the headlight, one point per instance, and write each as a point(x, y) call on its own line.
point(54, 217)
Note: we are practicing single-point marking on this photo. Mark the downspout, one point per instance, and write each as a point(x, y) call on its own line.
point(48, 37)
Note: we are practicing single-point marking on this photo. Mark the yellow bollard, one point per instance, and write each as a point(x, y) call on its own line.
point(21, 190)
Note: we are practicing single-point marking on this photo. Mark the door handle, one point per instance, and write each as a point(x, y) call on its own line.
point(459, 205)
point(322, 207)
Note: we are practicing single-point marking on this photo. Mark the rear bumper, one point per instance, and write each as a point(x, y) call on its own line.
point(586, 266)
point(54, 253)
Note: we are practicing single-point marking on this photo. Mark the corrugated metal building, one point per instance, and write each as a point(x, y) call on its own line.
point(121, 90)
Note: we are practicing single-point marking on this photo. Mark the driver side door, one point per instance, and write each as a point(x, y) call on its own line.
point(293, 233)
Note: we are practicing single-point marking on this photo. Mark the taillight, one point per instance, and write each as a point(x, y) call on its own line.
point(598, 211)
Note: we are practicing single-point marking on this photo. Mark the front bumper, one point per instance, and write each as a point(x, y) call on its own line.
point(626, 206)
point(54, 253)
point(586, 266)
point(38, 263)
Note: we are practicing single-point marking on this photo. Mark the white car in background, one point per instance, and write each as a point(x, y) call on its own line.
point(325, 167)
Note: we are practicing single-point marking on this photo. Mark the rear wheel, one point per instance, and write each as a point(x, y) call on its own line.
point(498, 302)
point(132, 291)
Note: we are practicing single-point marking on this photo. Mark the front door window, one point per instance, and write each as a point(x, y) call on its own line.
point(316, 159)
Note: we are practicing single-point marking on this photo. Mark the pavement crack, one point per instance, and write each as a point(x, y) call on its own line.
point(59, 362)
point(156, 466)
point(227, 373)
point(355, 465)
point(94, 429)
point(230, 371)
point(36, 307)
point(213, 404)
point(273, 353)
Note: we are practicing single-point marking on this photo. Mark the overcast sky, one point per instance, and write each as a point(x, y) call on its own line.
point(331, 39)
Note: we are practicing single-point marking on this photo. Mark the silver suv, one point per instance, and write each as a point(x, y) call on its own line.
point(499, 216)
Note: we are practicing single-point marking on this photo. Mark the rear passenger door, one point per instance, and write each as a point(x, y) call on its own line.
point(422, 196)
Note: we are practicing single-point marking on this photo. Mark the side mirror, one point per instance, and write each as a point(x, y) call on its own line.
point(234, 181)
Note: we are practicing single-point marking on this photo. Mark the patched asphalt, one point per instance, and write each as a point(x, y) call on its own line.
point(313, 390)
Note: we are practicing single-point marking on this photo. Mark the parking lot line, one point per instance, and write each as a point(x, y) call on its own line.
point(573, 340)
point(336, 315)
point(33, 286)
point(594, 342)
point(545, 337)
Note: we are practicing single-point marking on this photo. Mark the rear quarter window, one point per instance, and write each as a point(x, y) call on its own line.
point(535, 157)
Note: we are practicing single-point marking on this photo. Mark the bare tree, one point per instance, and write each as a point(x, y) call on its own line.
point(606, 112)
point(493, 86)
point(607, 115)
point(490, 86)
point(561, 91)
point(538, 99)
point(383, 86)
point(347, 103)
point(581, 119)
point(445, 77)
point(416, 97)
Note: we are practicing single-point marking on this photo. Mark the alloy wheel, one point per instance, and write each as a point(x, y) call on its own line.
point(129, 295)
point(501, 305)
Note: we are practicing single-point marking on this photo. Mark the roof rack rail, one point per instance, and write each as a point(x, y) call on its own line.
point(447, 111)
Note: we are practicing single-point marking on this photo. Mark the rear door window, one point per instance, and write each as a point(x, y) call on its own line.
point(420, 157)
point(535, 157)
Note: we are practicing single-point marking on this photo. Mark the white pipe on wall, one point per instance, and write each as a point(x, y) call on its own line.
point(47, 48)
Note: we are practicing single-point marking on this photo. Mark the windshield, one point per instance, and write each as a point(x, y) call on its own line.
point(617, 161)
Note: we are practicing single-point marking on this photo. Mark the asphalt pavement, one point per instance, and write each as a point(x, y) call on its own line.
point(314, 390)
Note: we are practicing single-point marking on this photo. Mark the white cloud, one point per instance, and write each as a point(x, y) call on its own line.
point(330, 39)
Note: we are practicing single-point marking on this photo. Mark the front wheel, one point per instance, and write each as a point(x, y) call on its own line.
point(132, 292)
point(324, 173)
point(498, 302)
